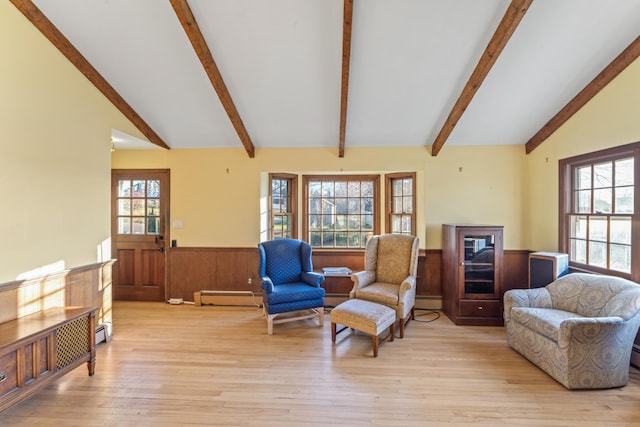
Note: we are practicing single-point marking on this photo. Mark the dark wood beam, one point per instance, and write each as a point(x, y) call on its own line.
point(346, 60)
point(605, 77)
point(188, 21)
point(510, 21)
point(40, 21)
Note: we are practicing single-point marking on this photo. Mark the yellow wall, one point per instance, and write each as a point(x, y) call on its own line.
point(54, 154)
point(610, 119)
point(216, 193)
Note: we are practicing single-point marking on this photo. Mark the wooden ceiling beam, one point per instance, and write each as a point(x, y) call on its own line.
point(188, 21)
point(622, 61)
point(42, 23)
point(510, 21)
point(346, 60)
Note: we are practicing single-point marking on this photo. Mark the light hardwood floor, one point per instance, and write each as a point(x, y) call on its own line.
point(185, 365)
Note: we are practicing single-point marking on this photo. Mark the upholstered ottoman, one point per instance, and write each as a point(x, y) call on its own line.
point(365, 316)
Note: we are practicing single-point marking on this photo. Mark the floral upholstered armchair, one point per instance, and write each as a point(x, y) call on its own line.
point(289, 283)
point(579, 329)
point(389, 276)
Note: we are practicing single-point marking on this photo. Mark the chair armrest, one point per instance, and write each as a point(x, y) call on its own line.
point(362, 278)
point(537, 297)
point(312, 278)
point(267, 285)
point(407, 284)
point(591, 330)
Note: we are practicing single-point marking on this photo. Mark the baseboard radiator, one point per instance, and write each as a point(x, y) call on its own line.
point(103, 333)
point(635, 355)
point(225, 298)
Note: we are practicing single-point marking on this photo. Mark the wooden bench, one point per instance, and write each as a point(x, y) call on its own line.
point(39, 348)
point(365, 316)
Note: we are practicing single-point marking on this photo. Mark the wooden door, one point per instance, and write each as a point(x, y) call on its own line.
point(139, 233)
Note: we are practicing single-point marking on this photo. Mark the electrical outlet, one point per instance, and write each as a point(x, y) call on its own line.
point(249, 280)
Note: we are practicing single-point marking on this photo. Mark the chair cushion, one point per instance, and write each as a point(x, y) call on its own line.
point(288, 292)
point(545, 321)
point(394, 255)
point(382, 293)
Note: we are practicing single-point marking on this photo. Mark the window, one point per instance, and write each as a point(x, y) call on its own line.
point(138, 210)
point(283, 195)
point(341, 211)
point(598, 210)
point(401, 200)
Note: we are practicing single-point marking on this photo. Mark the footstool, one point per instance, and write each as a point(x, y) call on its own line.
point(365, 316)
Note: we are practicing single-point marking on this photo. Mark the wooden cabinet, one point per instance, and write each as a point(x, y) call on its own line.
point(39, 348)
point(472, 257)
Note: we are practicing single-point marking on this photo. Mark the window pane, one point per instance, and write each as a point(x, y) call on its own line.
point(407, 204)
point(367, 189)
point(139, 188)
point(620, 258)
point(407, 187)
point(138, 207)
point(138, 225)
point(583, 177)
point(368, 204)
point(602, 175)
point(579, 226)
point(602, 200)
point(124, 225)
point(327, 189)
point(315, 238)
point(624, 200)
point(354, 189)
point(328, 239)
point(396, 223)
point(578, 252)
point(583, 202)
point(315, 206)
point(367, 224)
point(153, 225)
point(624, 172)
point(598, 254)
point(598, 228)
point(153, 188)
point(341, 189)
point(406, 224)
point(341, 222)
point(124, 207)
point(153, 207)
point(315, 189)
point(621, 230)
point(341, 206)
point(354, 206)
point(397, 205)
point(397, 187)
point(341, 240)
point(124, 188)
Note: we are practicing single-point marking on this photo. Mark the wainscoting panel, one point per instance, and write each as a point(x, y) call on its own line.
point(236, 269)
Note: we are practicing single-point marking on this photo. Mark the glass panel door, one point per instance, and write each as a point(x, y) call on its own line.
point(479, 264)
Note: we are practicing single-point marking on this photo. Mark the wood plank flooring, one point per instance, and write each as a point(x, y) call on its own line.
point(174, 365)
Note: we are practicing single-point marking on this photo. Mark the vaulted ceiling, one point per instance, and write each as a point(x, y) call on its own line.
point(342, 73)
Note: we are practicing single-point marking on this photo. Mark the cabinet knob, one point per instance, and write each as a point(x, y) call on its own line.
point(480, 307)
point(3, 377)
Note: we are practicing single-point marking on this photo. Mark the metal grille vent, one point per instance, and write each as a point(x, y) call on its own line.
point(73, 341)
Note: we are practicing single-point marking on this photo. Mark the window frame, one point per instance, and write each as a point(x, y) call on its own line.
point(333, 178)
point(566, 206)
point(292, 180)
point(389, 195)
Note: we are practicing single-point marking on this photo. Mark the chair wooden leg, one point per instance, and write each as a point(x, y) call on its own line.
point(374, 339)
point(333, 332)
point(321, 316)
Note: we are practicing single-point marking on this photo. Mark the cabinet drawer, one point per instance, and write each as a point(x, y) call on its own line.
point(480, 308)
point(8, 373)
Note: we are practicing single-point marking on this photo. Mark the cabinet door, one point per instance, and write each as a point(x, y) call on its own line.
point(478, 267)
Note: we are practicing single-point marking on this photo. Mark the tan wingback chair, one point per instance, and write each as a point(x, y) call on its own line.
point(389, 276)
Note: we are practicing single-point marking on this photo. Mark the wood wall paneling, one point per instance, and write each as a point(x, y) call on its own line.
point(229, 269)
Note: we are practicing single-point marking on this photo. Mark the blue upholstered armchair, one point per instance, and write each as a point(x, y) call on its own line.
point(289, 283)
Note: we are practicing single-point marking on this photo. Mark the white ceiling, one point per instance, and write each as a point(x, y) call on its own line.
point(281, 61)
